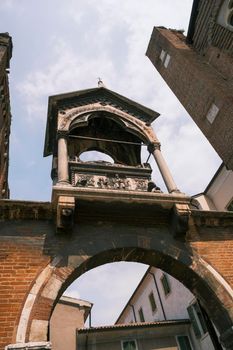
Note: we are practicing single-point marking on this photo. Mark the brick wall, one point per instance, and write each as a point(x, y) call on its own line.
point(20, 264)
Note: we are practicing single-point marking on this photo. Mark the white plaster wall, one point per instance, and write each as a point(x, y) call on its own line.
point(176, 302)
point(205, 202)
point(128, 316)
point(221, 192)
point(175, 305)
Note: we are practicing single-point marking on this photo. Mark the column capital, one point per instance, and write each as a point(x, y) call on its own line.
point(152, 146)
point(62, 134)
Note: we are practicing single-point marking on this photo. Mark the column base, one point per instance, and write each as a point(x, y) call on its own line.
point(63, 183)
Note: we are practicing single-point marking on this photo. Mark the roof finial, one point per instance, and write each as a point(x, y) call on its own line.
point(100, 83)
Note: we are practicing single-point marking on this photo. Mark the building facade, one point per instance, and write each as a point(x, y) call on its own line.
point(198, 69)
point(68, 315)
point(5, 114)
point(160, 297)
point(172, 335)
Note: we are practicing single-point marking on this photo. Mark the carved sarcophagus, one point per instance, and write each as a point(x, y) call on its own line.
point(111, 176)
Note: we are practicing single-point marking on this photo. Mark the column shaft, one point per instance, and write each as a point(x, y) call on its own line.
point(164, 170)
point(63, 172)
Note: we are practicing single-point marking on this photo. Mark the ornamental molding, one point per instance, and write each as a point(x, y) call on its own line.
point(65, 118)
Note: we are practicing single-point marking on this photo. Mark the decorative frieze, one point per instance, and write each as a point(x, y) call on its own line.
point(110, 176)
point(111, 182)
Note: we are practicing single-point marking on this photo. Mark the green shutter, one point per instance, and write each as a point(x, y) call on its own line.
point(166, 285)
point(129, 345)
point(200, 317)
point(194, 322)
point(184, 342)
point(152, 302)
point(141, 315)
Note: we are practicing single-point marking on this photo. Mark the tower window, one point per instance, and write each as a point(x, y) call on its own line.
point(212, 113)
point(162, 55)
point(165, 284)
point(152, 302)
point(167, 60)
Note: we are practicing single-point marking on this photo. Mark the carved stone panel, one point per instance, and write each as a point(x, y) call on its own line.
point(110, 182)
point(104, 175)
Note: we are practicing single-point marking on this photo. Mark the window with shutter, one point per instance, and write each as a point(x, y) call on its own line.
point(152, 302)
point(129, 345)
point(197, 319)
point(183, 342)
point(166, 284)
point(141, 315)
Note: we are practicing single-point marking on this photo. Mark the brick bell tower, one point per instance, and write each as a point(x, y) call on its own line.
point(101, 120)
point(5, 114)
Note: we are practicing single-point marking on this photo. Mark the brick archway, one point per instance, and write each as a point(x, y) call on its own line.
point(197, 275)
point(37, 264)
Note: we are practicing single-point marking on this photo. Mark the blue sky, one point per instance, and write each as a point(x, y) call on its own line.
point(62, 46)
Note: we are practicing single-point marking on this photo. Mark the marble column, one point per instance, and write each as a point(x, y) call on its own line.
point(154, 148)
point(63, 170)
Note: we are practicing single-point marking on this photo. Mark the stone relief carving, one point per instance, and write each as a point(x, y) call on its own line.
point(110, 182)
point(85, 181)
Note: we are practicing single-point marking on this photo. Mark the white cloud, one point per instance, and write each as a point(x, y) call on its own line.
point(6, 4)
point(111, 285)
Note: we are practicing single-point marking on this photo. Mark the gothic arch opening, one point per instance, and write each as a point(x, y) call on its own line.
point(102, 132)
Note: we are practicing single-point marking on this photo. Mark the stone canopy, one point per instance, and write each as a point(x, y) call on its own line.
point(60, 104)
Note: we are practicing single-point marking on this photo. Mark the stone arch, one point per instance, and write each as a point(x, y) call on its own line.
point(197, 275)
point(146, 132)
point(97, 127)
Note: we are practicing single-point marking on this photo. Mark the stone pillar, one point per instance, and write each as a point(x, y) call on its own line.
point(63, 171)
point(30, 346)
point(154, 148)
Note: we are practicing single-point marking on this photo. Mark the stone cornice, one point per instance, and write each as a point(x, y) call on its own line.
point(212, 218)
point(17, 210)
